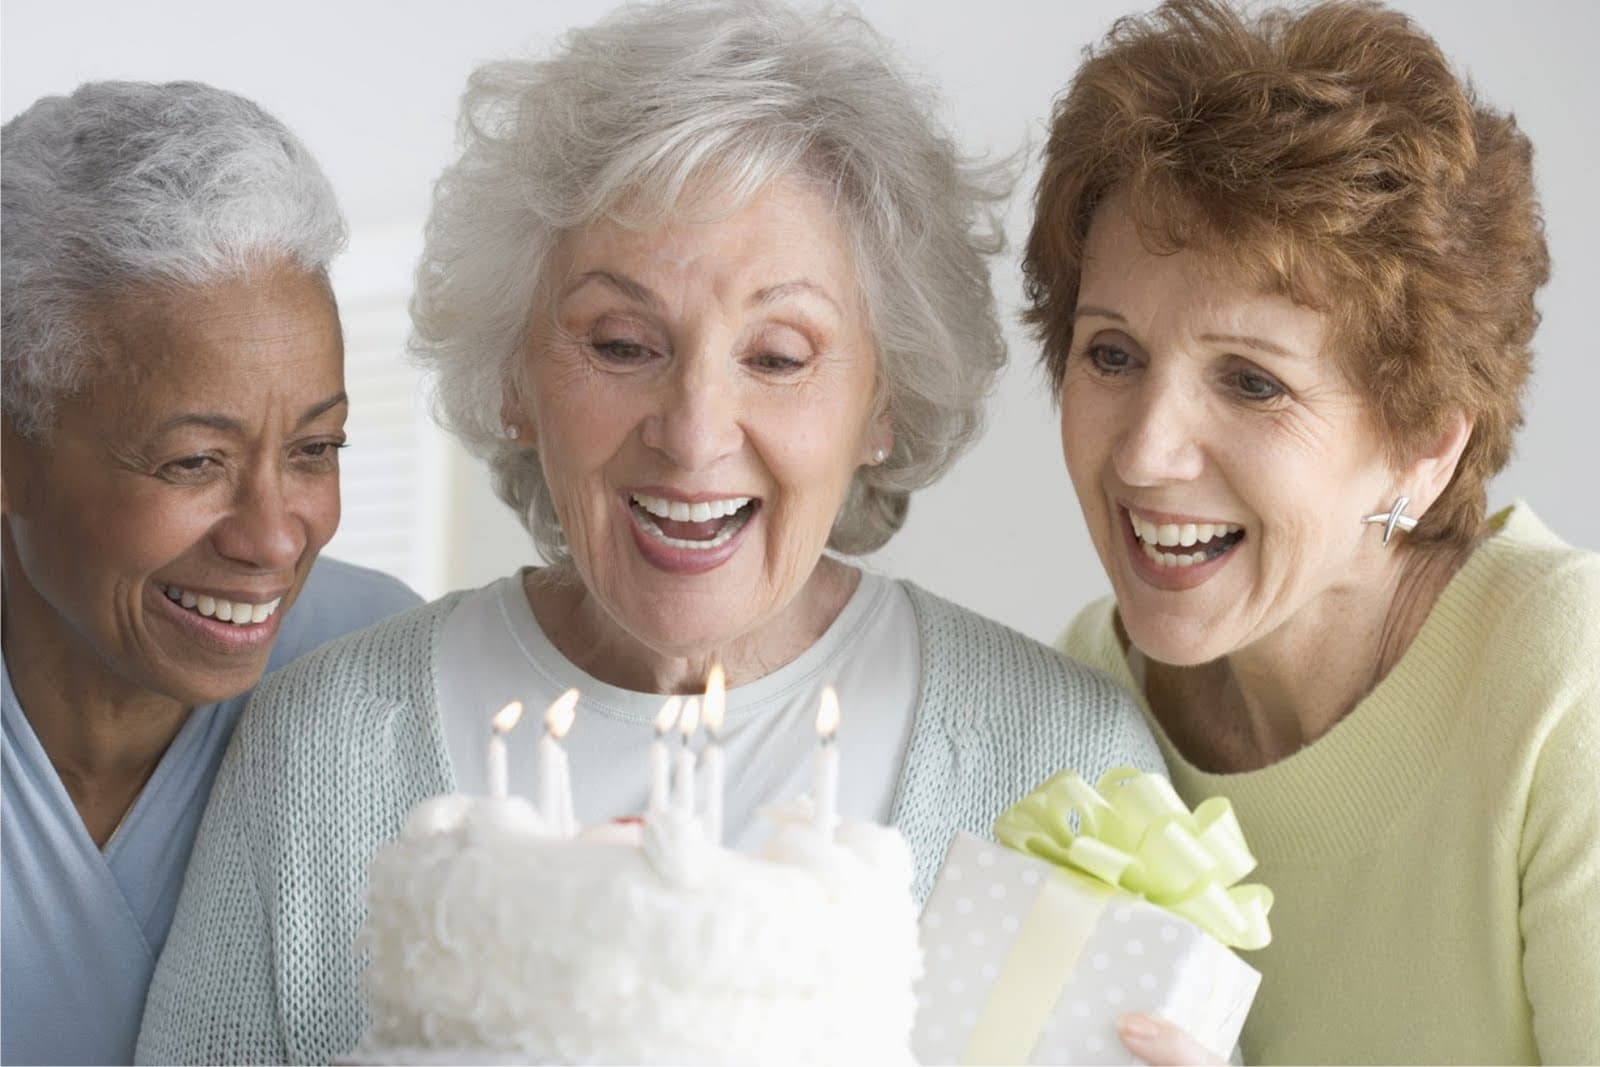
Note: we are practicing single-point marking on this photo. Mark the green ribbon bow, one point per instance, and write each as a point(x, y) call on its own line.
point(1134, 833)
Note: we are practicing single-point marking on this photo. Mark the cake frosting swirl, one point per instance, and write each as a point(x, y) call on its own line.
point(490, 938)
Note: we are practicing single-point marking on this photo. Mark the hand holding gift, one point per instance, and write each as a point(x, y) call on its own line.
point(1109, 900)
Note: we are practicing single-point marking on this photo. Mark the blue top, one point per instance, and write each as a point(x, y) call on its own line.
point(81, 927)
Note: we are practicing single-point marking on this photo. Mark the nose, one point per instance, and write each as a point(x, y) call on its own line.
point(696, 421)
point(1159, 441)
point(261, 529)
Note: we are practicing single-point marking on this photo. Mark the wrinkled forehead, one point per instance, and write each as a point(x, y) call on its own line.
point(785, 231)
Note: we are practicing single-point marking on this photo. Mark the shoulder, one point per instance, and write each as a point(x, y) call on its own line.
point(379, 670)
point(1092, 635)
point(337, 598)
point(1538, 602)
point(1010, 674)
point(953, 633)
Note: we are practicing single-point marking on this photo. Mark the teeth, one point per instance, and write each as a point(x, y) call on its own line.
point(237, 612)
point(682, 511)
point(721, 538)
point(1172, 535)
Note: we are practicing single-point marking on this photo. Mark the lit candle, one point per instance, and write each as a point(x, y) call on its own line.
point(825, 771)
point(683, 781)
point(499, 726)
point(660, 760)
point(555, 784)
point(712, 713)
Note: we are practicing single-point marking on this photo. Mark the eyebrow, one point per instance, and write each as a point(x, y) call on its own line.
point(1249, 341)
point(642, 294)
point(228, 424)
point(1243, 340)
point(623, 284)
point(773, 293)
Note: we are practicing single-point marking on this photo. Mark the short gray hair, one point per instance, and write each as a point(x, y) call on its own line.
point(128, 184)
point(623, 117)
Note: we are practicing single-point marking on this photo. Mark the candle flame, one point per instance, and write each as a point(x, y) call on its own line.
point(668, 714)
point(715, 705)
point(506, 717)
point(690, 718)
point(558, 716)
point(828, 713)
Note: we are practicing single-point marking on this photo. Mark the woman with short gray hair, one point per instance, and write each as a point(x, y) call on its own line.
point(174, 405)
point(708, 290)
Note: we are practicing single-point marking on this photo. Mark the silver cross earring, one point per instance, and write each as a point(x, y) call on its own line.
point(1394, 519)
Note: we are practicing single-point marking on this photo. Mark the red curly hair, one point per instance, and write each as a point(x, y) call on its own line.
point(1332, 155)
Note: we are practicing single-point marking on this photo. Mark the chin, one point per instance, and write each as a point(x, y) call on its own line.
point(1177, 643)
point(196, 690)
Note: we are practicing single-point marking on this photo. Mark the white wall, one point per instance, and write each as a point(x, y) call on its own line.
point(371, 86)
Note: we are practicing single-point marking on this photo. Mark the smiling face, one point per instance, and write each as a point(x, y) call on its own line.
point(1221, 458)
point(700, 398)
point(175, 509)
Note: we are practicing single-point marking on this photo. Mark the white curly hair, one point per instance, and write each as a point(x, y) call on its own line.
point(621, 120)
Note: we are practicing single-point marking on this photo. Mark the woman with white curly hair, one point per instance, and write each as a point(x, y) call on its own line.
point(174, 406)
point(707, 289)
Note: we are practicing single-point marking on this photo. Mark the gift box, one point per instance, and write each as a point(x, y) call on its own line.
point(1102, 901)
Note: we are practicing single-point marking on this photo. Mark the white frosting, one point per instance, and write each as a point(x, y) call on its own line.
point(636, 945)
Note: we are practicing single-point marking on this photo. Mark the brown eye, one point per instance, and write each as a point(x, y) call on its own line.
point(189, 468)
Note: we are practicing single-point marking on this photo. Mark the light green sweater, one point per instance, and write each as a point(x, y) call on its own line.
point(1436, 855)
point(333, 752)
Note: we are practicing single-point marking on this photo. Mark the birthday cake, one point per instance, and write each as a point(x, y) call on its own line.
point(490, 938)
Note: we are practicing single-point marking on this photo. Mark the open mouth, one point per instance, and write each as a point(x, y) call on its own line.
point(701, 526)
point(237, 612)
point(1184, 544)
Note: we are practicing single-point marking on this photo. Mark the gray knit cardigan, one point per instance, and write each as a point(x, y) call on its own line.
point(334, 751)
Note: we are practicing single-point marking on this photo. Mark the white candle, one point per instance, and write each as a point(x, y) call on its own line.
point(683, 780)
point(555, 783)
point(825, 771)
point(660, 759)
point(712, 713)
point(496, 760)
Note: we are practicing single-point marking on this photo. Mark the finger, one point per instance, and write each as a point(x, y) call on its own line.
point(1162, 1044)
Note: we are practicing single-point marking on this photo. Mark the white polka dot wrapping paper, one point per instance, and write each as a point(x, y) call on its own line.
point(1027, 962)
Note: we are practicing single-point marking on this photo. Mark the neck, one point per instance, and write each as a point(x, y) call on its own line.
point(103, 734)
point(578, 625)
point(1265, 702)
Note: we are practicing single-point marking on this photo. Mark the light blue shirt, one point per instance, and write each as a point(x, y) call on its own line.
point(80, 926)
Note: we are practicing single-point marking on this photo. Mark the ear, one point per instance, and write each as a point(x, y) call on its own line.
point(1431, 469)
point(879, 439)
point(515, 424)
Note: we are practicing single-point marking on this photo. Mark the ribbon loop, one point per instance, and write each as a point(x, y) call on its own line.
point(1133, 832)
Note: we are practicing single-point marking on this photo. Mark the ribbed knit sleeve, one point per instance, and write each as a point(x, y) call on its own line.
point(327, 760)
point(999, 713)
point(201, 1011)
